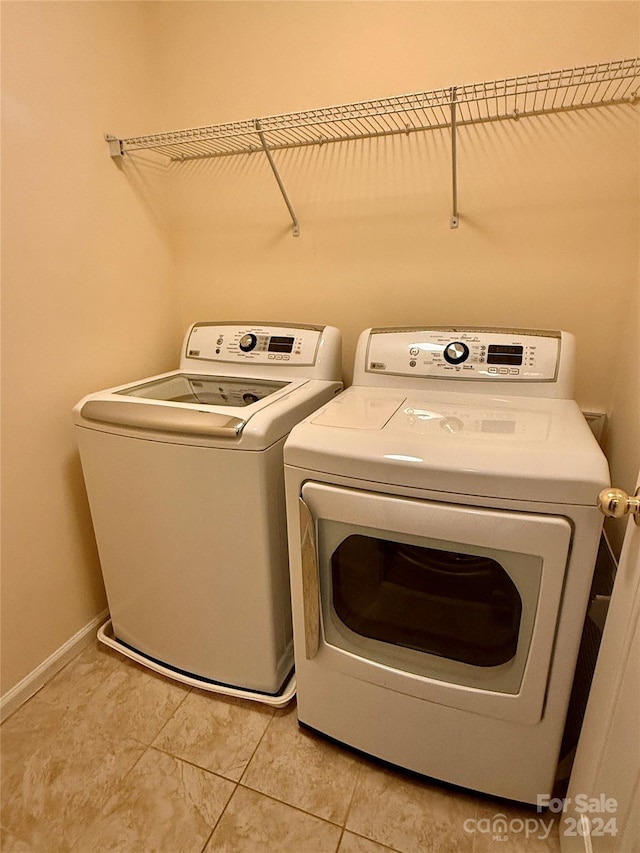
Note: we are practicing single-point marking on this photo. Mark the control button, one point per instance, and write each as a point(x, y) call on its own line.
point(412, 363)
point(493, 370)
point(456, 352)
point(271, 355)
point(514, 370)
point(414, 351)
point(503, 370)
point(248, 342)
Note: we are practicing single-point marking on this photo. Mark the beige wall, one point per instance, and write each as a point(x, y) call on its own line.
point(88, 297)
point(549, 206)
point(96, 258)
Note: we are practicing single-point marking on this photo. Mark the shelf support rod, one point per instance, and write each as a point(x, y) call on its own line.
point(265, 148)
point(455, 217)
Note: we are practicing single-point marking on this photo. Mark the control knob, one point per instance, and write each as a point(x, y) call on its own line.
point(248, 342)
point(451, 424)
point(456, 352)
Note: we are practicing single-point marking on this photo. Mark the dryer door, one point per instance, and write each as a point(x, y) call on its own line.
point(449, 603)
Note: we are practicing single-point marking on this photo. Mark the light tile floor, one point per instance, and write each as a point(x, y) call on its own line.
point(111, 757)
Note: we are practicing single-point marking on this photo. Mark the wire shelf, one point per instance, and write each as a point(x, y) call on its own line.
point(582, 87)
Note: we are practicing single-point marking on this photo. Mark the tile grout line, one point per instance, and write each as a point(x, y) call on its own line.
point(234, 782)
point(170, 717)
point(361, 770)
point(290, 806)
point(143, 744)
point(353, 794)
point(221, 815)
point(270, 796)
point(256, 747)
point(186, 761)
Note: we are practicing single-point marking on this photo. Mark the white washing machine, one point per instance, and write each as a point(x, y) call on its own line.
point(443, 530)
point(184, 476)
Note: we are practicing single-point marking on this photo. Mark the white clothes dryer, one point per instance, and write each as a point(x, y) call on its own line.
point(443, 529)
point(184, 476)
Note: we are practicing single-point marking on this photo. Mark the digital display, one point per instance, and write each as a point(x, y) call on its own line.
point(498, 354)
point(279, 343)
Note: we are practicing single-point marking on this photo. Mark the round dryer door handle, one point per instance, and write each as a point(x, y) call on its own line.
point(615, 503)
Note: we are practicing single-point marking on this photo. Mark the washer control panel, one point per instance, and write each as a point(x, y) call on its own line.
point(515, 355)
point(295, 345)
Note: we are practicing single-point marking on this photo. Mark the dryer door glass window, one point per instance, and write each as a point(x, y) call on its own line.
point(455, 612)
point(443, 602)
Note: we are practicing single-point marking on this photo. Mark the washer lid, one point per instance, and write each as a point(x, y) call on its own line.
point(504, 447)
point(204, 389)
point(239, 413)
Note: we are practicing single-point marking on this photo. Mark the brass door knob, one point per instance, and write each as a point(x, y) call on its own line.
point(615, 503)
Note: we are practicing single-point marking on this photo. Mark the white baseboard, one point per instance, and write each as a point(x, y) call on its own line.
point(36, 679)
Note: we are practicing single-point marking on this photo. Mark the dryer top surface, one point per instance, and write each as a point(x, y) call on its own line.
point(524, 448)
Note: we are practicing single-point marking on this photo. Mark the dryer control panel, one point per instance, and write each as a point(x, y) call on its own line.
point(253, 343)
point(470, 353)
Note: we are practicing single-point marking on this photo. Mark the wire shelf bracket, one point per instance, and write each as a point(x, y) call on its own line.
point(265, 147)
point(585, 87)
point(454, 221)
